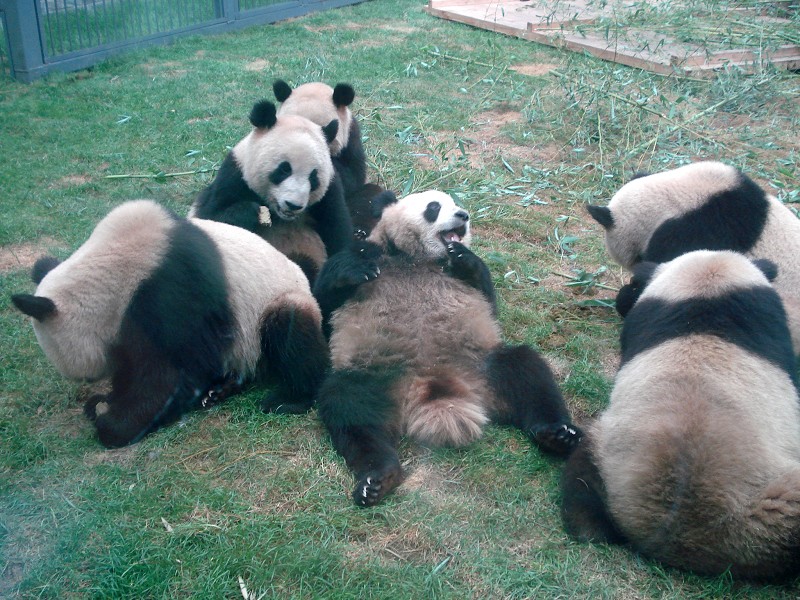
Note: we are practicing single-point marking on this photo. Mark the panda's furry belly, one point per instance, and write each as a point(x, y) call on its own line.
point(435, 332)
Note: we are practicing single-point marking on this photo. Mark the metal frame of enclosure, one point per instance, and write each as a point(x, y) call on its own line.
point(41, 36)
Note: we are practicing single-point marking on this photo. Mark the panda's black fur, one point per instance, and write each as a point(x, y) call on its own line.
point(284, 166)
point(177, 313)
point(416, 348)
point(696, 460)
point(704, 206)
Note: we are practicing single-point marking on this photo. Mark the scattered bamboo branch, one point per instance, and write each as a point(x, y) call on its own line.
point(162, 175)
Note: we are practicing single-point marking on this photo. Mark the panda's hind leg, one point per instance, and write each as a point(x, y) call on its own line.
point(360, 417)
point(295, 354)
point(528, 398)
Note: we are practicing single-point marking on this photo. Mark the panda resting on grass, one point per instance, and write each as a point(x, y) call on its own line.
point(172, 311)
point(416, 348)
point(704, 206)
point(279, 182)
point(696, 460)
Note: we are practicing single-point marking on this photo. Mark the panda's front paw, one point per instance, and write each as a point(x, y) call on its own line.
point(558, 438)
point(361, 268)
point(372, 487)
point(462, 259)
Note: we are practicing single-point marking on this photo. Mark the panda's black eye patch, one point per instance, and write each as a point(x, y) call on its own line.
point(282, 172)
point(313, 179)
point(432, 211)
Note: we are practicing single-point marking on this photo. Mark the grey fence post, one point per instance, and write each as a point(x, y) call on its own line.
point(24, 40)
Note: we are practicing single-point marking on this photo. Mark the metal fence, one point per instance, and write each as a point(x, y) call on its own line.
point(40, 36)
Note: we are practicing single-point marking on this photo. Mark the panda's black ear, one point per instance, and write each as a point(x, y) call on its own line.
point(263, 115)
point(381, 201)
point(639, 175)
point(601, 214)
point(343, 95)
point(769, 268)
point(629, 293)
point(330, 130)
point(281, 89)
point(42, 267)
point(38, 307)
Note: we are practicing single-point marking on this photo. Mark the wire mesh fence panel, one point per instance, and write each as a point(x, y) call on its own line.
point(72, 25)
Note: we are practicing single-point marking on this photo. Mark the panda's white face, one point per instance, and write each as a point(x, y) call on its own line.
point(288, 166)
point(423, 224)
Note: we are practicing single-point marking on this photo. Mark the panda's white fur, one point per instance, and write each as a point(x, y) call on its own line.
point(295, 140)
point(416, 347)
point(696, 460)
point(282, 165)
point(141, 248)
point(643, 222)
point(315, 101)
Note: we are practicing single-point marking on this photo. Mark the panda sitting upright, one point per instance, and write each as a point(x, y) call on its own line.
point(696, 460)
point(322, 104)
point(416, 348)
point(283, 165)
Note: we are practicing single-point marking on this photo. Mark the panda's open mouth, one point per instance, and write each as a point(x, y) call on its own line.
point(453, 235)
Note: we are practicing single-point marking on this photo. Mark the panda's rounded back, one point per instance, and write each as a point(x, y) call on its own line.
point(643, 204)
point(697, 425)
point(93, 287)
point(259, 278)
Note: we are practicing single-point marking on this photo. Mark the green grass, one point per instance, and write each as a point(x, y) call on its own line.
point(233, 493)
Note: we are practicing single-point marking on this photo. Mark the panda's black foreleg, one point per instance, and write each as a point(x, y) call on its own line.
point(467, 266)
point(359, 416)
point(341, 275)
point(147, 392)
point(528, 398)
point(333, 222)
point(584, 508)
point(296, 357)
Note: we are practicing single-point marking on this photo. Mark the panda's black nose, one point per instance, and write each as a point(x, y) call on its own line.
point(293, 207)
point(463, 215)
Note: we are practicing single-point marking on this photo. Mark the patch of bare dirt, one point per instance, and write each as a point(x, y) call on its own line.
point(260, 64)
point(70, 180)
point(534, 69)
point(17, 257)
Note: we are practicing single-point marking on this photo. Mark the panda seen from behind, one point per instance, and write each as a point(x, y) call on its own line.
point(416, 347)
point(704, 206)
point(279, 182)
point(176, 313)
point(696, 460)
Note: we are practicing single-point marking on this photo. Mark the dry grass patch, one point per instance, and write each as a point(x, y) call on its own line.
point(18, 257)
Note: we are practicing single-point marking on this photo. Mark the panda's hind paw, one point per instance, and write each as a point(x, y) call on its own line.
point(558, 438)
point(372, 487)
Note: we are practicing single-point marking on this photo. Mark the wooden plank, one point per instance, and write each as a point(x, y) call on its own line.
point(555, 25)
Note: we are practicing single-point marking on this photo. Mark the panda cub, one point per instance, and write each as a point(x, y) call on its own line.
point(704, 206)
point(173, 310)
point(416, 347)
point(696, 460)
point(283, 165)
point(322, 104)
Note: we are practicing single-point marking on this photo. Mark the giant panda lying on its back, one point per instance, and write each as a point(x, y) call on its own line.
point(171, 309)
point(322, 104)
point(696, 461)
point(416, 347)
point(704, 206)
point(283, 165)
